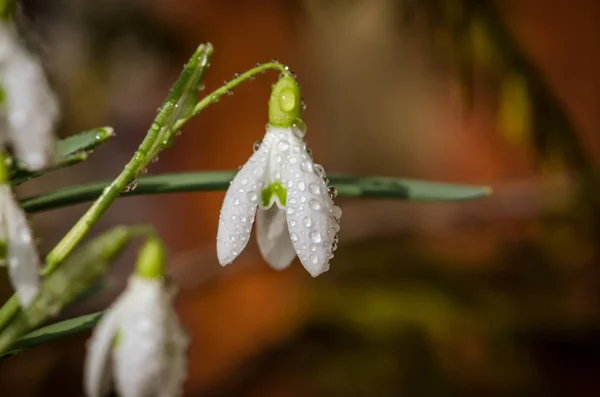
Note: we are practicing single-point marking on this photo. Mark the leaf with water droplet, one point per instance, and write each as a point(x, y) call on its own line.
point(70, 151)
point(183, 97)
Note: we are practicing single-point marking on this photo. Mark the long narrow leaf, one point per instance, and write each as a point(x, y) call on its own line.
point(53, 332)
point(374, 187)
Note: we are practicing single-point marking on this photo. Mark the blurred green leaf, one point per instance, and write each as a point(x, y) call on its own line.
point(53, 332)
point(71, 150)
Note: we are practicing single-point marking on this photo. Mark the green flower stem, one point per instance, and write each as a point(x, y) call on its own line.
point(375, 187)
point(216, 95)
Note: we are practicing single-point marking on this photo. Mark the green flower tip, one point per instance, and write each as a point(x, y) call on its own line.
point(4, 168)
point(285, 104)
point(151, 260)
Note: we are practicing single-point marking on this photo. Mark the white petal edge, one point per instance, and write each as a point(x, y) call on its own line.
point(273, 237)
point(310, 211)
point(176, 369)
point(22, 256)
point(97, 368)
point(31, 107)
point(138, 357)
point(239, 206)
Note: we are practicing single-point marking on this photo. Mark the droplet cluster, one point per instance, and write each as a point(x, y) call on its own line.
point(312, 217)
point(239, 206)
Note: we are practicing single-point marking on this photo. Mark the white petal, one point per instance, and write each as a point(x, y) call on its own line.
point(96, 375)
point(22, 256)
point(139, 355)
point(239, 206)
point(312, 217)
point(31, 107)
point(176, 369)
point(273, 238)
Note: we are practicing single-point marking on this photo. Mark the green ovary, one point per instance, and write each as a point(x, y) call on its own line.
point(276, 190)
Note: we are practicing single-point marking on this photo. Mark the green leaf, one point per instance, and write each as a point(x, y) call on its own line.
point(53, 332)
point(71, 150)
point(372, 187)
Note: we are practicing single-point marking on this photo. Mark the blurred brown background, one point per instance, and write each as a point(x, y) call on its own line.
point(497, 297)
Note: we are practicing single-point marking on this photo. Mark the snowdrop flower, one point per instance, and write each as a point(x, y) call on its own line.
point(17, 245)
point(296, 214)
point(139, 340)
point(29, 109)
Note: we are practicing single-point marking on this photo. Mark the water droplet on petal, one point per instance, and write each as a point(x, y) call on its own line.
point(315, 237)
point(252, 196)
point(301, 186)
point(283, 145)
point(314, 205)
point(332, 192)
point(319, 170)
point(314, 259)
point(294, 237)
point(314, 188)
point(257, 145)
point(299, 129)
point(306, 166)
point(336, 212)
point(307, 221)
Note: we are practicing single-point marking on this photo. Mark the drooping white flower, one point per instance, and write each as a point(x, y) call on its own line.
point(296, 214)
point(29, 109)
point(139, 343)
point(18, 246)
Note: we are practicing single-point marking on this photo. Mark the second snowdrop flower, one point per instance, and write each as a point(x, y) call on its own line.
point(296, 214)
point(139, 341)
point(18, 250)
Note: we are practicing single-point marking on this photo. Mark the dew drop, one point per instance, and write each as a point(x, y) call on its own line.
point(244, 181)
point(314, 259)
point(301, 186)
point(257, 145)
point(307, 221)
point(299, 129)
point(332, 192)
point(276, 175)
point(336, 212)
point(306, 166)
point(131, 186)
point(283, 145)
point(294, 237)
point(290, 211)
point(319, 170)
point(316, 237)
point(314, 205)
point(314, 188)
point(252, 196)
